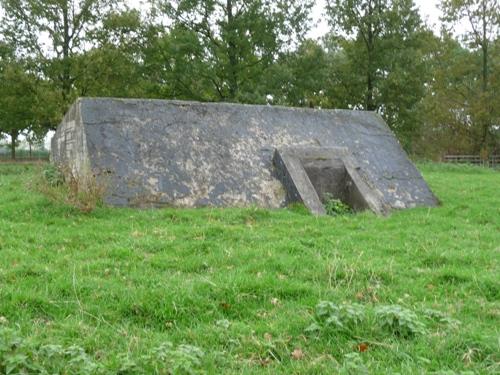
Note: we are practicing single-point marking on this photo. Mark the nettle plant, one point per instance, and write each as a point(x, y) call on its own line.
point(337, 316)
point(53, 175)
point(350, 318)
point(399, 321)
point(19, 355)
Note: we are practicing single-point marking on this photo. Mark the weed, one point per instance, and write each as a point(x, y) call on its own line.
point(399, 321)
point(440, 318)
point(53, 175)
point(19, 356)
point(339, 316)
point(62, 185)
point(335, 207)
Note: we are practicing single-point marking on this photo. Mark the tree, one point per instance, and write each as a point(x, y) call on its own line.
point(365, 20)
point(446, 124)
point(238, 39)
point(113, 66)
point(176, 67)
point(483, 17)
point(67, 25)
point(299, 77)
point(17, 97)
point(384, 46)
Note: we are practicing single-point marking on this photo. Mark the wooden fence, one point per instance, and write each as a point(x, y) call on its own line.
point(493, 161)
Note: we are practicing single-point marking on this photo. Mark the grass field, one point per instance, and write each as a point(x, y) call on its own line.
point(235, 290)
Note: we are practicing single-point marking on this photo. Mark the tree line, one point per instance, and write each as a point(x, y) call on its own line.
point(438, 93)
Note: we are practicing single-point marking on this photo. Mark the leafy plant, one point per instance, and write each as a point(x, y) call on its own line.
point(19, 356)
point(399, 321)
point(440, 317)
point(53, 175)
point(181, 359)
point(338, 316)
point(335, 207)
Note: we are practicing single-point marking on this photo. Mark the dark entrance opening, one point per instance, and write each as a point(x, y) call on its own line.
point(315, 174)
point(332, 181)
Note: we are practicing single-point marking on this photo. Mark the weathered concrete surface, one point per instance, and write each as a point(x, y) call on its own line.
point(157, 152)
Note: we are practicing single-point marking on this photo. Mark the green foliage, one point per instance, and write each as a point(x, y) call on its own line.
point(353, 365)
point(384, 53)
point(465, 88)
point(355, 318)
point(301, 77)
point(335, 207)
point(438, 94)
point(440, 318)
point(18, 96)
point(54, 35)
point(342, 317)
point(238, 41)
point(53, 175)
point(399, 321)
point(19, 355)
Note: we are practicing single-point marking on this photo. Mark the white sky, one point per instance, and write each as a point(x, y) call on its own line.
point(428, 10)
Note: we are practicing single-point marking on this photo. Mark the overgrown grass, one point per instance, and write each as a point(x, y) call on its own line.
point(235, 290)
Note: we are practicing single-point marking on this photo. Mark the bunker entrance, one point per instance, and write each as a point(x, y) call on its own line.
point(331, 180)
point(313, 175)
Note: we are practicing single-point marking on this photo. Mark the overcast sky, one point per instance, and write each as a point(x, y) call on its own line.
point(428, 10)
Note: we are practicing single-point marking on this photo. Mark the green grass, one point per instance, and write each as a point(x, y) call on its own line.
point(242, 284)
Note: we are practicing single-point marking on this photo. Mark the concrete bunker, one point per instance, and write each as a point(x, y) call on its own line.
point(156, 153)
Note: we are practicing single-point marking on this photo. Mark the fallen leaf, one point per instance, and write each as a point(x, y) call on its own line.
point(225, 306)
point(362, 347)
point(297, 354)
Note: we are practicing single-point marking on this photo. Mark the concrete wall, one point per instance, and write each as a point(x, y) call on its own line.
point(69, 144)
